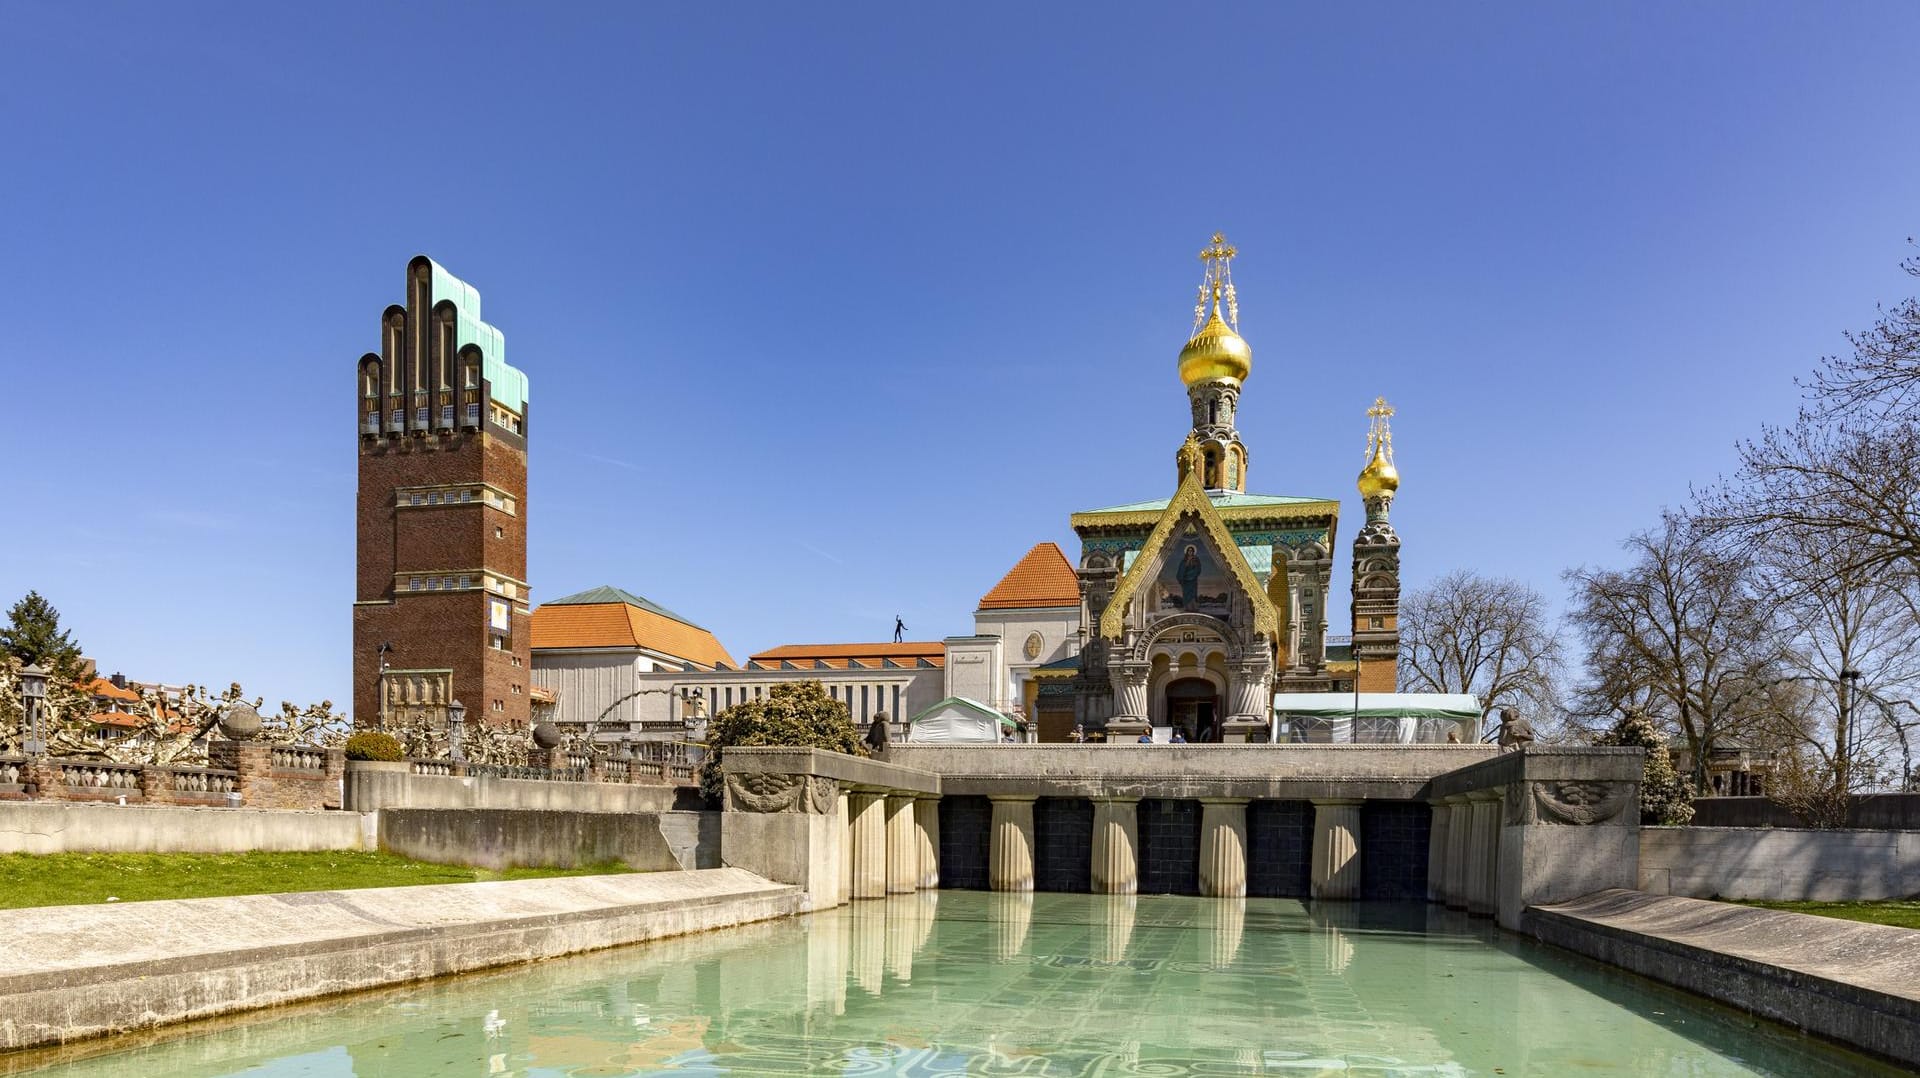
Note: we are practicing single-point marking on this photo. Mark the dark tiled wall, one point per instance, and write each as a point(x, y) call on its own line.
point(966, 835)
point(1393, 849)
point(1063, 844)
point(1169, 847)
point(1280, 848)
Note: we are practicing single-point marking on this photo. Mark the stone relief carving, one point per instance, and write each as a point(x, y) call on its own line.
point(1576, 802)
point(782, 793)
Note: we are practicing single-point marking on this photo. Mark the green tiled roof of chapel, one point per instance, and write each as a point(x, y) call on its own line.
point(1221, 499)
point(608, 594)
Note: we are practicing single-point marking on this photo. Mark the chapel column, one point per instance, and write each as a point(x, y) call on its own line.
point(1129, 719)
point(1223, 847)
point(926, 826)
point(1459, 841)
point(869, 843)
point(846, 846)
point(1116, 843)
point(903, 844)
point(1010, 857)
point(1437, 851)
point(1336, 849)
point(1484, 856)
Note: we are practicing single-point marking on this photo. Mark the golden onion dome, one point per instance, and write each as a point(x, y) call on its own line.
point(1216, 351)
point(1379, 476)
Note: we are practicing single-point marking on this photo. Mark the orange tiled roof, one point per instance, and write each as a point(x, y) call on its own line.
point(852, 656)
point(102, 687)
point(116, 718)
point(1043, 578)
point(622, 625)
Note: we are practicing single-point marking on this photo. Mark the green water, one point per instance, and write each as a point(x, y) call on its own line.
point(966, 983)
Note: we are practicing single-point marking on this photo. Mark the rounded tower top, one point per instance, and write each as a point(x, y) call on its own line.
point(1216, 351)
point(1379, 477)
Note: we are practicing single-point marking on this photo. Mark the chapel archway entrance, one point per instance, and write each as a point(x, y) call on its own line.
point(1193, 708)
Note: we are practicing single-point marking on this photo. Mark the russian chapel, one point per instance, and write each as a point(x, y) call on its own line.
point(1198, 608)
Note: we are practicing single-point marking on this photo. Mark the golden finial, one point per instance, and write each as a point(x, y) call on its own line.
point(1216, 283)
point(1379, 476)
point(1190, 456)
point(1216, 350)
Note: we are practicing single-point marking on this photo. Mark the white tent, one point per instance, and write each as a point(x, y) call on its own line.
point(959, 719)
point(1375, 717)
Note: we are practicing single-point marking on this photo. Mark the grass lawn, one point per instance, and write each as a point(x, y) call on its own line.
point(68, 879)
point(1900, 913)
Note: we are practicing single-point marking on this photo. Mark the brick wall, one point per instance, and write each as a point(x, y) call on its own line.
point(1393, 849)
point(966, 825)
point(1280, 848)
point(1169, 847)
point(1063, 841)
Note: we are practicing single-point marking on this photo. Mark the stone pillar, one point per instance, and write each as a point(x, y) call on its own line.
point(903, 845)
point(1116, 842)
point(926, 827)
point(1250, 706)
point(1223, 846)
point(1129, 696)
point(846, 848)
point(252, 763)
point(337, 776)
point(1459, 832)
point(1010, 861)
point(1484, 853)
point(1336, 850)
point(869, 844)
point(1437, 851)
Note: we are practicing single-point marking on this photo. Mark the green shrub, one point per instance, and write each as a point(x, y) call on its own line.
point(374, 745)
point(1665, 798)
point(794, 713)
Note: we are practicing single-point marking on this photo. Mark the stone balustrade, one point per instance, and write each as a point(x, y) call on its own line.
point(250, 774)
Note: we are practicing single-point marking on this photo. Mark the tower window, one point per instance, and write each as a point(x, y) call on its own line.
point(466, 581)
point(473, 414)
point(499, 533)
point(473, 377)
point(446, 415)
point(416, 499)
point(420, 416)
point(433, 498)
point(1376, 623)
point(399, 417)
point(466, 496)
point(433, 583)
point(413, 584)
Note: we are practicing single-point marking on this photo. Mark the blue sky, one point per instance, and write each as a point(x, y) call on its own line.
point(830, 311)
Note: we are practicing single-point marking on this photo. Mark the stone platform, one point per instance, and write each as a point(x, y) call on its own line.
point(1855, 983)
point(72, 972)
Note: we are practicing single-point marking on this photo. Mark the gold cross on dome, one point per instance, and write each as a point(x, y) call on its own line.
point(1380, 410)
point(1219, 251)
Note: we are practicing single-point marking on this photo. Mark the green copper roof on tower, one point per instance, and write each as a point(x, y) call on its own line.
point(509, 383)
point(606, 593)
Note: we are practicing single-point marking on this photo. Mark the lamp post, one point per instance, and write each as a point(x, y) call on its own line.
point(33, 697)
point(456, 725)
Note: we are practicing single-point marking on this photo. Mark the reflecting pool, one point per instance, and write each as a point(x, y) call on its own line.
point(969, 983)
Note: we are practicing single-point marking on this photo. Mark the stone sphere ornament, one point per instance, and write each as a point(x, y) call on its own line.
point(239, 722)
point(546, 735)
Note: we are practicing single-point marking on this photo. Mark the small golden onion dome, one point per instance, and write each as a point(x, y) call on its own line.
point(1215, 352)
point(1378, 477)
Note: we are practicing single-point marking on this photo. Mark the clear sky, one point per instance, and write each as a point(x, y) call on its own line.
point(830, 312)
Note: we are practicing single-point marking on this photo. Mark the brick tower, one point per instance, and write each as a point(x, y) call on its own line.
point(440, 597)
point(1376, 563)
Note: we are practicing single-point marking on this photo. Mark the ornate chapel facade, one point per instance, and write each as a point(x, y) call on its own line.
point(1195, 610)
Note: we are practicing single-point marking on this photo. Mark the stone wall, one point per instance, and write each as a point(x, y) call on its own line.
point(516, 838)
point(66, 827)
point(1778, 864)
point(255, 774)
point(370, 790)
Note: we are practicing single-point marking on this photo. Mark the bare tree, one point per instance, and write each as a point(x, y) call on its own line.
point(1488, 636)
point(1680, 632)
point(1882, 375)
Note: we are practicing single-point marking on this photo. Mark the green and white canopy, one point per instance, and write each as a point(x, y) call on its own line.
point(1460, 707)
